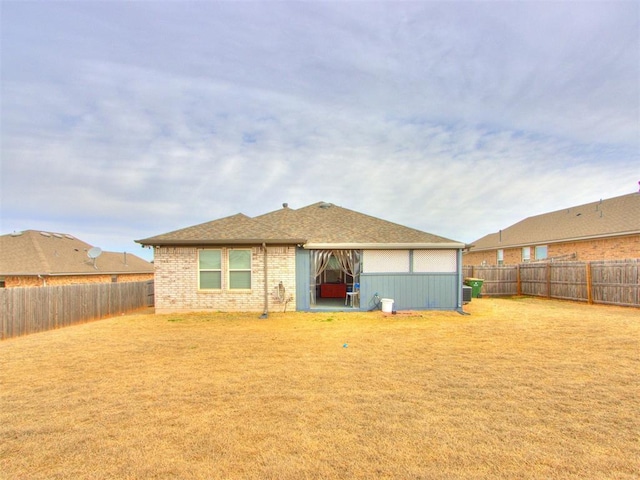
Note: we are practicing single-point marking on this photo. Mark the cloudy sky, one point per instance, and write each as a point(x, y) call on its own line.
point(123, 120)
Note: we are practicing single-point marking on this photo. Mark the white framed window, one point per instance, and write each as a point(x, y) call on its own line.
point(240, 269)
point(526, 254)
point(541, 252)
point(210, 269)
point(500, 258)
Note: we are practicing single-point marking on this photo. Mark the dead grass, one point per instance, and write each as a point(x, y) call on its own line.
point(519, 389)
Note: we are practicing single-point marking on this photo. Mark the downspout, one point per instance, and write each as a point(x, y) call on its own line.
point(459, 288)
point(265, 313)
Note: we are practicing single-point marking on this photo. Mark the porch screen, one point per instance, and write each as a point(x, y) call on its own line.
point(385, 261)
point(347, 260)
point(435, 261)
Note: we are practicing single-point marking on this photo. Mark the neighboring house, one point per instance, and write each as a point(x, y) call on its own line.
point(304, 259)
point(33, 259)
point(603, 230)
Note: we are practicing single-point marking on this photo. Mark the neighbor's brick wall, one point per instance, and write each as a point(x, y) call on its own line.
point(619, 248)
point(34, 281)
point(176, 281)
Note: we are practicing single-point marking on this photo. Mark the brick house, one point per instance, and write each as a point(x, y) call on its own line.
point(603, 230)
point(317, 257)
point(33, 259)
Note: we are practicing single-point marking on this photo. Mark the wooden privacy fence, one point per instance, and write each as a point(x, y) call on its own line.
point(36, 309)
point(610, 282)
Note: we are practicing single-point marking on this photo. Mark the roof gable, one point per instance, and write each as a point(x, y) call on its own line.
point(324, 222)
point(611, 217)
point(319, 223)
point(44, 253)
point(238, 229)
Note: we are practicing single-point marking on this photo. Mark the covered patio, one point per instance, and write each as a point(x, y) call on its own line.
point(334, 279)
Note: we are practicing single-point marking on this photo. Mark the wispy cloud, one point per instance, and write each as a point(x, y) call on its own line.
point(122, 120)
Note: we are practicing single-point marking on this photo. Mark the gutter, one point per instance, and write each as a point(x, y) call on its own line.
point(63, 274)
point(550, 242)
point(229, 241)
point(383, 246)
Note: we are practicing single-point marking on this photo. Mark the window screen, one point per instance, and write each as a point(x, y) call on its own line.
point(240, 269)
point(385, 261)
point(210, 269)
point(434, 261)
point(541, 252)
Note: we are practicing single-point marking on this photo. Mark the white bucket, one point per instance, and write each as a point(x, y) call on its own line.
point(387, 305)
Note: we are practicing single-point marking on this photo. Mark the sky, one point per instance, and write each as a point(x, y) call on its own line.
point(125, 120)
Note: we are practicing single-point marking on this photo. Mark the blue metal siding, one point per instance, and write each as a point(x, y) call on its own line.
point(303, 266)
point(431, 291)
point(410, 291)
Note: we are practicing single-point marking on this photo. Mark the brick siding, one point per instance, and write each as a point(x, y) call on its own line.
point(50, 281)
point(616, 248)
point(176, 281)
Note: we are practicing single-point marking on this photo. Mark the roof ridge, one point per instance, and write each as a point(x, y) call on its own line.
point(39, 251)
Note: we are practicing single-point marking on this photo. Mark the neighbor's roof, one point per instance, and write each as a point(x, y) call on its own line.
point(612, 217)
point(320, 225)
point(45, 253)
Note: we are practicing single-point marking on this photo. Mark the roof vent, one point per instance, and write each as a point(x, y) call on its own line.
point(45, 234)
point(16, 234)
point(325, 205)
point(285, 205)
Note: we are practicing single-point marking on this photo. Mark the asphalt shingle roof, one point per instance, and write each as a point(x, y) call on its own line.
point(238, 229)
point(610, 217)
point(319, 223)
point(45, 253)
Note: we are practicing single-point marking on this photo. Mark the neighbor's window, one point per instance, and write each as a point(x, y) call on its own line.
point(240, 269)
point(501, 257)
point(210, 269)
point(2, 282)
point(541, 252)
point(526, 254)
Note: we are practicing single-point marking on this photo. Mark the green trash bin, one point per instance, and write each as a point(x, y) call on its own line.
point(476, 286)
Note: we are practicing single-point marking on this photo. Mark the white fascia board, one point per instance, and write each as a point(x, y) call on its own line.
point(383, 246)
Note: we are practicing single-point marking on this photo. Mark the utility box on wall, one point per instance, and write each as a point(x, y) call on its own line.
point(466, 293)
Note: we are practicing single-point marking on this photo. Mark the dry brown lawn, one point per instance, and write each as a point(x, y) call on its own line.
point(521, 388)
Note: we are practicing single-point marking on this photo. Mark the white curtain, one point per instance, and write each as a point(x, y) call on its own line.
point(319, 263)
point(348, 260)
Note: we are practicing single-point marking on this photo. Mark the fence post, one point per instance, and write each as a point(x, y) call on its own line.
point(548, 274)
point(589, 288)
point(518, 281)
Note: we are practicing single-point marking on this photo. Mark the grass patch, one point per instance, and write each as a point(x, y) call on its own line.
point(518, 389)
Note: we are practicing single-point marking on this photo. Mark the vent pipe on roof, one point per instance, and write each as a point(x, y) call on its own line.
point(285, 205)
